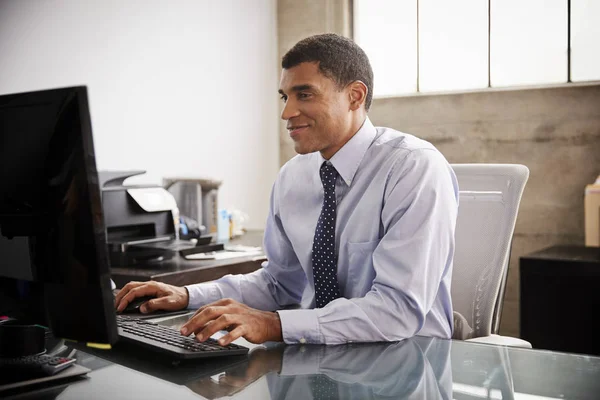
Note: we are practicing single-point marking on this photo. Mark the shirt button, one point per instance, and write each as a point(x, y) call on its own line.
point(303, 340)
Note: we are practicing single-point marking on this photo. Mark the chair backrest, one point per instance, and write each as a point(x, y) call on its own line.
point(490, 195)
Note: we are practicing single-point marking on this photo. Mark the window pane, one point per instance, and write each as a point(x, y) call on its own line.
point(453, 45)
point(528, 42)
point(387, 31)
point(585, 40)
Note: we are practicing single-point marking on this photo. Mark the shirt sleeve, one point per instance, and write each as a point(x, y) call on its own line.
point(279, 283)
point(410, 261)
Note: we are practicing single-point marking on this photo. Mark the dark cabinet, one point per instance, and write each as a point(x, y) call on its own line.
point(560, 299)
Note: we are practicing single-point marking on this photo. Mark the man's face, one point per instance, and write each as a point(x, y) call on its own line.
point(317, 112)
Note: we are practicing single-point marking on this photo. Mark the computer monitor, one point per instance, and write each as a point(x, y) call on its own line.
point(53, 254)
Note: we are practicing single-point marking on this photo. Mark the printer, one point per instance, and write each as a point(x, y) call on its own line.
point(142, 221)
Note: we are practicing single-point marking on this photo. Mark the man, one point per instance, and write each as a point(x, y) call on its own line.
point(360, 230)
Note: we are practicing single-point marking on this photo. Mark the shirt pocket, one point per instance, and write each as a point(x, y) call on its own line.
point(360, 262)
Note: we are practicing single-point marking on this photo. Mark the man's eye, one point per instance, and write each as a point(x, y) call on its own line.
point(283, 97)
point(303, 95)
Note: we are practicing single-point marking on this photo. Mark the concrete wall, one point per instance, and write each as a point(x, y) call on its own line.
point(554, 131)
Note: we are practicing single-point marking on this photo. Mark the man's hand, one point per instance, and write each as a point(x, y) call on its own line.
point(261, 362)
point(168, 297)
point(240, 320)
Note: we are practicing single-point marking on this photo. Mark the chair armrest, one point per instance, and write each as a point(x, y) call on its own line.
point(502, 341)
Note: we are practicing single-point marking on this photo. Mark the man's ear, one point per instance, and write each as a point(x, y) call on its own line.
point(358, 94)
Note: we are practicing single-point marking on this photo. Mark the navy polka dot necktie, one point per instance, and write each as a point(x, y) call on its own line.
point(324, 259)
point(323, 388)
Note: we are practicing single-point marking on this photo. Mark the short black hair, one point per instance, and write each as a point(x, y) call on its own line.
point(339, 58)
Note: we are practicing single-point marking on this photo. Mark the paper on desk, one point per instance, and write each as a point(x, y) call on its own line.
point(240, 247)
point(221, 255)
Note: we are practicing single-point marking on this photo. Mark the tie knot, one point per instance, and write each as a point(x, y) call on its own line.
point(328, 175)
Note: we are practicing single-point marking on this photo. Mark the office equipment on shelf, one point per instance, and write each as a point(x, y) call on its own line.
point(223, 226)
point(190, 229)
point(170, 342)
point(142, 221)
point(176, 246)
point(135, 212)
point(197, 198)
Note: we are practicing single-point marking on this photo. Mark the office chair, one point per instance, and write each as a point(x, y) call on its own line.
point(488, 205)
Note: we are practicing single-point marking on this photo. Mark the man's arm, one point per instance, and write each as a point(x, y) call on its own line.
point(235, 302)
point(411, 261)
point(279, 283)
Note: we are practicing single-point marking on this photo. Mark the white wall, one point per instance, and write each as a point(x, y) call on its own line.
point(178, 88)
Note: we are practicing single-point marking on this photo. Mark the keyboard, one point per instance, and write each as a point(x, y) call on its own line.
point(35, 366)
point(171, 342)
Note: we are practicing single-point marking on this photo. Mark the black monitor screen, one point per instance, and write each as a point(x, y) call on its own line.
point(51, 224)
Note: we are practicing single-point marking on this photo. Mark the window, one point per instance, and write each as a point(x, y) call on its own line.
point(528, 42)
point(585, 40)
point(453, 45)
point(391, 47)
point(440, 45)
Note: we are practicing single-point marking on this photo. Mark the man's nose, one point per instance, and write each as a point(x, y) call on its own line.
point(289, 110)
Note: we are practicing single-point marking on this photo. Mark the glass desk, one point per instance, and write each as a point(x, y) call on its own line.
point(420, 368)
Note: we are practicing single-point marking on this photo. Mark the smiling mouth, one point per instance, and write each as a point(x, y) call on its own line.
point(296, 130)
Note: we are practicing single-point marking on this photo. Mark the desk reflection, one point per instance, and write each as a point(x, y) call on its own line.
point(414, 368)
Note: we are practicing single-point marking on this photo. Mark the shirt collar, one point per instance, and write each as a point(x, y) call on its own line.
point(347, 159)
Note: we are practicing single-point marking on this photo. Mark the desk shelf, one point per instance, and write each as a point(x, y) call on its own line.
point(179, 271)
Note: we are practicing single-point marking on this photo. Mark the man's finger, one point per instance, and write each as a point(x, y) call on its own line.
point(220, 302)
point(139, 291)
point(125, 289)
point(151, 305)
point(204, 307)
point(233, 335)
point(198, 321)
point(218, 324)
point(159, 303)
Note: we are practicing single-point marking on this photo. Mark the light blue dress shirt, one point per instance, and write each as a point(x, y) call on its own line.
point(397, 202)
